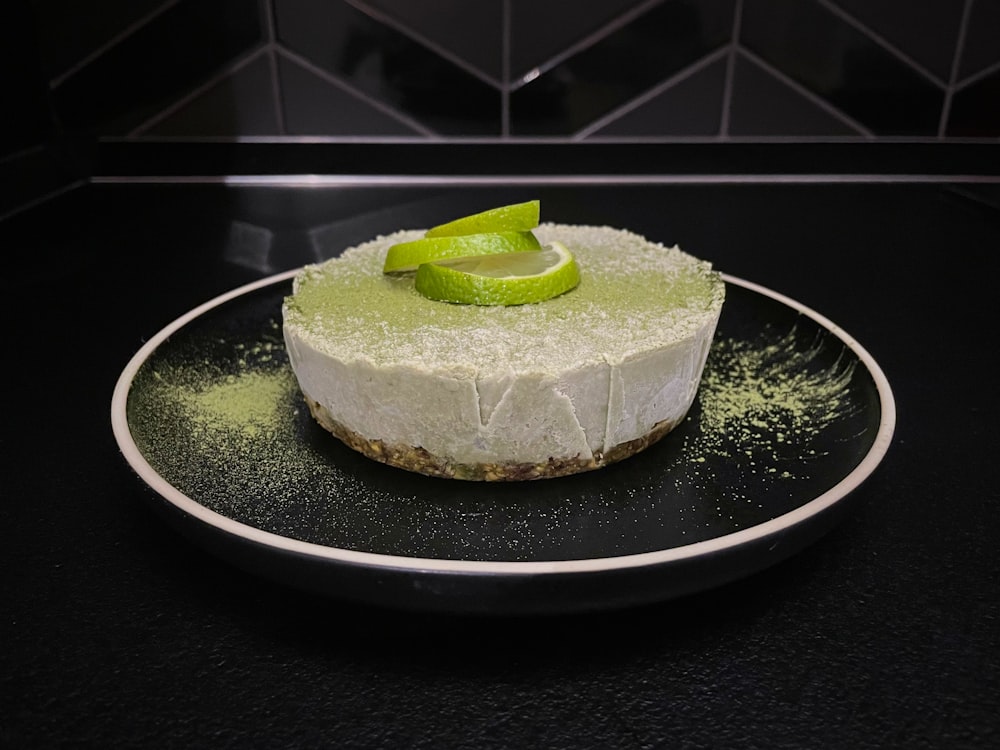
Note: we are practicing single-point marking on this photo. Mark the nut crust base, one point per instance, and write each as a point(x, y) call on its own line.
point(419, 460)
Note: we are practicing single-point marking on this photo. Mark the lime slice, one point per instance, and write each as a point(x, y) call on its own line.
point(508, 279)
point(406, 256)
point(517, 217)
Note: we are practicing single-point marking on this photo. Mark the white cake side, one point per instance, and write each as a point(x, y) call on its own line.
point(571, 378)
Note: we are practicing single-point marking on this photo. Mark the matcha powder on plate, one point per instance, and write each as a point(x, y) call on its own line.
point(764, 403)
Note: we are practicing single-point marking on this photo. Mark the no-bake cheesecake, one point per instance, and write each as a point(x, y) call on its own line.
point(505, 392)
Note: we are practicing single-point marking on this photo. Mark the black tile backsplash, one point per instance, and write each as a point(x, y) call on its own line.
point(542, 33)
point(470, 32)
point(315, 103)
point(928, 38)
point(240, 101)
point(981, 41)
point(763, 103)
point(389, 66)
point(688, 107)
point(621, 66)
point(975, 110)
point(69, 36)
point(844, 66)
point(24, 83)
point(160, 64)
point(502, 69)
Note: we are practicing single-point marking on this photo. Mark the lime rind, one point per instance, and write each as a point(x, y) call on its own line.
point(449, 284)
point(405, 257)
point(517, 217)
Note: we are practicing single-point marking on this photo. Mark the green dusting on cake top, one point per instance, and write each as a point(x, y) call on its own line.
point(634, 296)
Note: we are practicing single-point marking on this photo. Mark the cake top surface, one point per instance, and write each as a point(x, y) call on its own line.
point(634, 296)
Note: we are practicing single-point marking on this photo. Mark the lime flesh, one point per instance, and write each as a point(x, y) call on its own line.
point(509, 279)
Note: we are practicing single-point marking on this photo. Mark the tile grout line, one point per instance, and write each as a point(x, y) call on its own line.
point(21, 153)
point(806, 93)
point(378, 181)
point(881, 41)
point(192, 94)
point(728, 86)
point(385, 19)
point(333, 80)
point(117, 39)
point(956, 58)
point(41, 199)
point(606, 30)
point(505, 43)
point(270, 31)
point(978, 76)
point(651, 93)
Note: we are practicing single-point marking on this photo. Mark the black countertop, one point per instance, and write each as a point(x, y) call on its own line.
point(119, 632)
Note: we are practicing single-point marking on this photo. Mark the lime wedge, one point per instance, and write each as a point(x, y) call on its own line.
point(508, 279)
point(406, 256)
point(517, 217)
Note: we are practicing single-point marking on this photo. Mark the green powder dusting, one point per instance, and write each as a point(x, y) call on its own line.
point(763, 403)
point(635, 296)
point(232, 413)
point(245, 405)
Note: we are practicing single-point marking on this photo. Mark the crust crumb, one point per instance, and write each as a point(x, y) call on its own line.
point(421, 461)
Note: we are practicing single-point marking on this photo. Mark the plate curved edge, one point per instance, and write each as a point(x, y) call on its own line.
point(727, 542)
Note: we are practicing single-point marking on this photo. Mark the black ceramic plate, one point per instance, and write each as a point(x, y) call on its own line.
point(791, 417)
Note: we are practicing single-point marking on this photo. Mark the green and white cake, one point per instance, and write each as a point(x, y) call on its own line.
point(495, 392)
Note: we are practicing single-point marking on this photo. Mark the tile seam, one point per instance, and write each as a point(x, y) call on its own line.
point(728, 86)
point(385, 19)
point(978, 76)
point(956, 58)
point(234, 66)
point(882, 42)
point(616, 24)
point(115, 40)
point(651, 93)
point(334, 80)
point(812, 96)
point(602, 180)
point(271, 32)
point(505, 41)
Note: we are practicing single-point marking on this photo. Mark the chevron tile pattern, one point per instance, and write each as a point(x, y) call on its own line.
point(510, 69)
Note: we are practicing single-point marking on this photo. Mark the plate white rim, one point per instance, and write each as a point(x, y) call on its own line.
point(188, 505)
